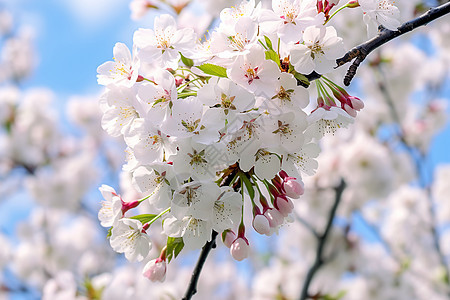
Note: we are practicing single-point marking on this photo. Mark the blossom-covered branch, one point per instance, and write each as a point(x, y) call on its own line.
point(359, 53)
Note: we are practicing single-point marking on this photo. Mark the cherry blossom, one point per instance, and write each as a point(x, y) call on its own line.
point(123, 71)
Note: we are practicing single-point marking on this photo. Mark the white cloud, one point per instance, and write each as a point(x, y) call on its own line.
point(93, 14)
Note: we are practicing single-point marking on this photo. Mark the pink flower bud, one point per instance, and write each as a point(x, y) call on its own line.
point(349, 110)
point(155, 270)
point(356, 102)
point(240, 249)
point(352, 3)
point(261, 224)
point(284, 206)
point(228, 237)
point(275, 217)
point(293, 188)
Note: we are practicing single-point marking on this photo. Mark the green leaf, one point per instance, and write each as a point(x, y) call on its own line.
point(248, 184)
point(268, 42)
point(213, 70)
point(272, 55)
point(109, 232)
point(186, 61)
point(145, 218)
point(174, 247)
point(302, 78)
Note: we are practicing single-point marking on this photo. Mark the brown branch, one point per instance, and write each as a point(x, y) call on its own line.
point(192, 288)
point(320, 260)
point(360, 52)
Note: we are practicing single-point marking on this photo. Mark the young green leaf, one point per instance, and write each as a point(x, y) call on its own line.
point(145, 218)
point(272, 55)
point(268, 42)
point(174, 247)
point(109, 232)
point(213, 70)
point(186, 61)
point(302, 78)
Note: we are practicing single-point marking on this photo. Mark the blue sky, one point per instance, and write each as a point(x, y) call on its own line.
point(73, 37)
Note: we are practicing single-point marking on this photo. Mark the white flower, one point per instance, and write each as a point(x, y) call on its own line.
point(164, 43)
point(380, 12)
point(290, 17)
point(195, 199)
point(288, 95)
point(302, 159)
point(246, 9)
point(155, 180)
point(157, 99)
point(286, 131)
point(120, 108)
point(190, 118)
point(195, 232)
point(228, 42)
point(227, 96)
point(127, 237)
point(148, 143)
point(254, 73)
point(198, 161)
point(227, 210)
point(111, 209)
point(185, 120)
point(327, 120)
point(123, 71)
point(266, 164)
point(319, 51)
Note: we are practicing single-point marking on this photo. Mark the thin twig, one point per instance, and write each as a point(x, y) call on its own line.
point(192, 288)
point(360, 52)
point(319, 260)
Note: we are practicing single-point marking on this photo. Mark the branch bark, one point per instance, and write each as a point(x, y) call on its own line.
point(359, 53)
point(192, 288)
point(320, 260)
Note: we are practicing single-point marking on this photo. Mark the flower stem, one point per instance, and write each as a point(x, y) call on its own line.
point(346, 5)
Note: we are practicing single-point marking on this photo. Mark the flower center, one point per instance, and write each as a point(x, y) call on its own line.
point(316, 48)
point(197, 158)
point(251, 74)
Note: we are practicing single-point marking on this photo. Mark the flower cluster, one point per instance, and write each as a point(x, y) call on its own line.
point(211, 125)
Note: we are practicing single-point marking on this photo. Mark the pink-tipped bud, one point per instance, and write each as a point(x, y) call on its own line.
point(284, 206)
point(228, 238)
point(275, 217)
point(349, 110)
point(126, 206)
point(155, 270)
point(352, 3)
point(293, 188)
point(240, 249)
point(356, 102)
point(261, 224)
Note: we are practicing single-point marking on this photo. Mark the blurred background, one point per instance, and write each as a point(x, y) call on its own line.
point(390, 238)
